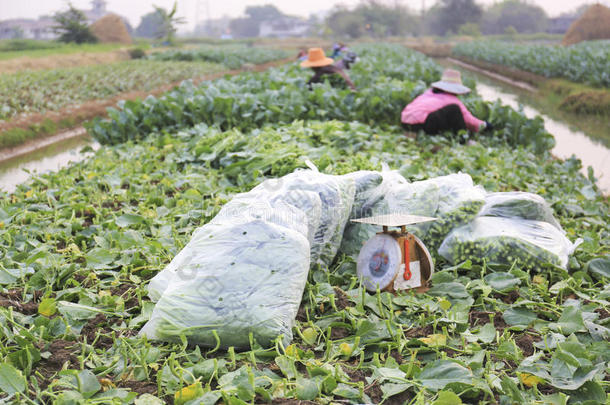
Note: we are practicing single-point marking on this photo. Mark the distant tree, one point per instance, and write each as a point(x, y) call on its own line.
point(18, 33)
point(470, 29)
point(454, 13)
point(169, 23)
point(522, 16)
point(372, 18)
point(263, 13)
point(249, 26)
point(150, 25)
point(431, 22)
point(244, 27)
point(72, 26)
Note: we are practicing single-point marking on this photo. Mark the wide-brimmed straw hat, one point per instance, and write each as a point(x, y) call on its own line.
point(316, 58)
point(451, 82)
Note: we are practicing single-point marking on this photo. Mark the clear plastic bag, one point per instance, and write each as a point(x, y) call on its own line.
point(245, 271)
point(531, 244)
point(517, 204)
point(394, 195)
point(459, 201)
point(235, 279)
point(336, 196)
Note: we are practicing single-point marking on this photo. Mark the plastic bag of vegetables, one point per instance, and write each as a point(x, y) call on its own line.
point(325, 199)
point(233, 280)
point(245, 271)
point(517, 204)
point(459, 201)
point(394, 195)
point(528, 243)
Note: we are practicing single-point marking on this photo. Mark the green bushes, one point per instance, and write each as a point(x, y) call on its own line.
point(586, 62)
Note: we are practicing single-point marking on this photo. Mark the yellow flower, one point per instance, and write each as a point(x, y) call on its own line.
point(188, 393)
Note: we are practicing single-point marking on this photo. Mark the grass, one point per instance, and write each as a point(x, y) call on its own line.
point(16, 136)
point(39, 49)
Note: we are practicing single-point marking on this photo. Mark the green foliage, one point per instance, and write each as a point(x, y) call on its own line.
point(18, 45)
point(168, 23)
point(72, 26)
point(150, 25)
point(586, 62)
point(232, 57)
point(521, 16)
point(38, 91)
point(79, 245)
point(470, 29)
point(281, 95)
point(371, 19)
point(453, 14)
point(249, 26)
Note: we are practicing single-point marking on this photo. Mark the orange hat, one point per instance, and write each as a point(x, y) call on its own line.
point(316, 58)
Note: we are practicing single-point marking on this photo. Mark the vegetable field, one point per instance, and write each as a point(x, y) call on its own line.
point(79, 246)
point(586, 62)
point(232, 57)
point(40, 91)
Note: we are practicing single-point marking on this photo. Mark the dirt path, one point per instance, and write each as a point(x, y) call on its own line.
point(96, 108)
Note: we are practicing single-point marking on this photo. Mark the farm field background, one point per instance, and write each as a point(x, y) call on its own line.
point(80, 245)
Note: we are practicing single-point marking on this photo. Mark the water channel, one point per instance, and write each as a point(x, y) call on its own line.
point(569, 137)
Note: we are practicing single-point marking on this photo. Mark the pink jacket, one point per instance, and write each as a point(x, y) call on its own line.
point(417, 111)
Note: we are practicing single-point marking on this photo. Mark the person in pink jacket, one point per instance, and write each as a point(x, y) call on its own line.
point(439, 109)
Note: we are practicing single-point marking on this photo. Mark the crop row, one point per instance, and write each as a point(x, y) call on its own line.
point(388, 77)
point(78, 247)
point(39, 91)
point(232, 57)
point(586, 62)
point(80, 244)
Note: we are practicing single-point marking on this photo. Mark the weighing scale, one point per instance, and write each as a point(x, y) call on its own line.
point(381, 262)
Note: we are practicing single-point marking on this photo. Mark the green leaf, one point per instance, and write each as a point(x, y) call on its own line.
point(346, 391)
point(486, 334)
point(502, 281)
point(518, 316)
point(447, 398)
point(11, 379)
point(599, 267)
point(435, 376)
point(591, 392)
point(76, 312)
point(571, 321)
point(307, 389)
point(148, 399)
point(126, 220)
point(391, 389)
point(99, 258)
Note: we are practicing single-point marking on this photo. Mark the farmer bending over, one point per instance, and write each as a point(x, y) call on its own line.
point(321, 65)
point(439, 109)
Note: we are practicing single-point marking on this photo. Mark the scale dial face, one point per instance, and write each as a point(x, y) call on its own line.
point(378, 262)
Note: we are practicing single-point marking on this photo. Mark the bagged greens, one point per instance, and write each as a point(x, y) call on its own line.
point(245, 271)
point(528, 243)
point(238, 279)
point(459, 201)
point(517, 204)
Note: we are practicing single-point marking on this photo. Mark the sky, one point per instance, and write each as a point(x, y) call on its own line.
point(134, 9)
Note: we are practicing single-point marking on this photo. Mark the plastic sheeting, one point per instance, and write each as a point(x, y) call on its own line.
point(244, 272)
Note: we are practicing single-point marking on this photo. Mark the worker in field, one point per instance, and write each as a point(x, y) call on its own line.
point(322, 65)
point(439, 109)
point(338, 49)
